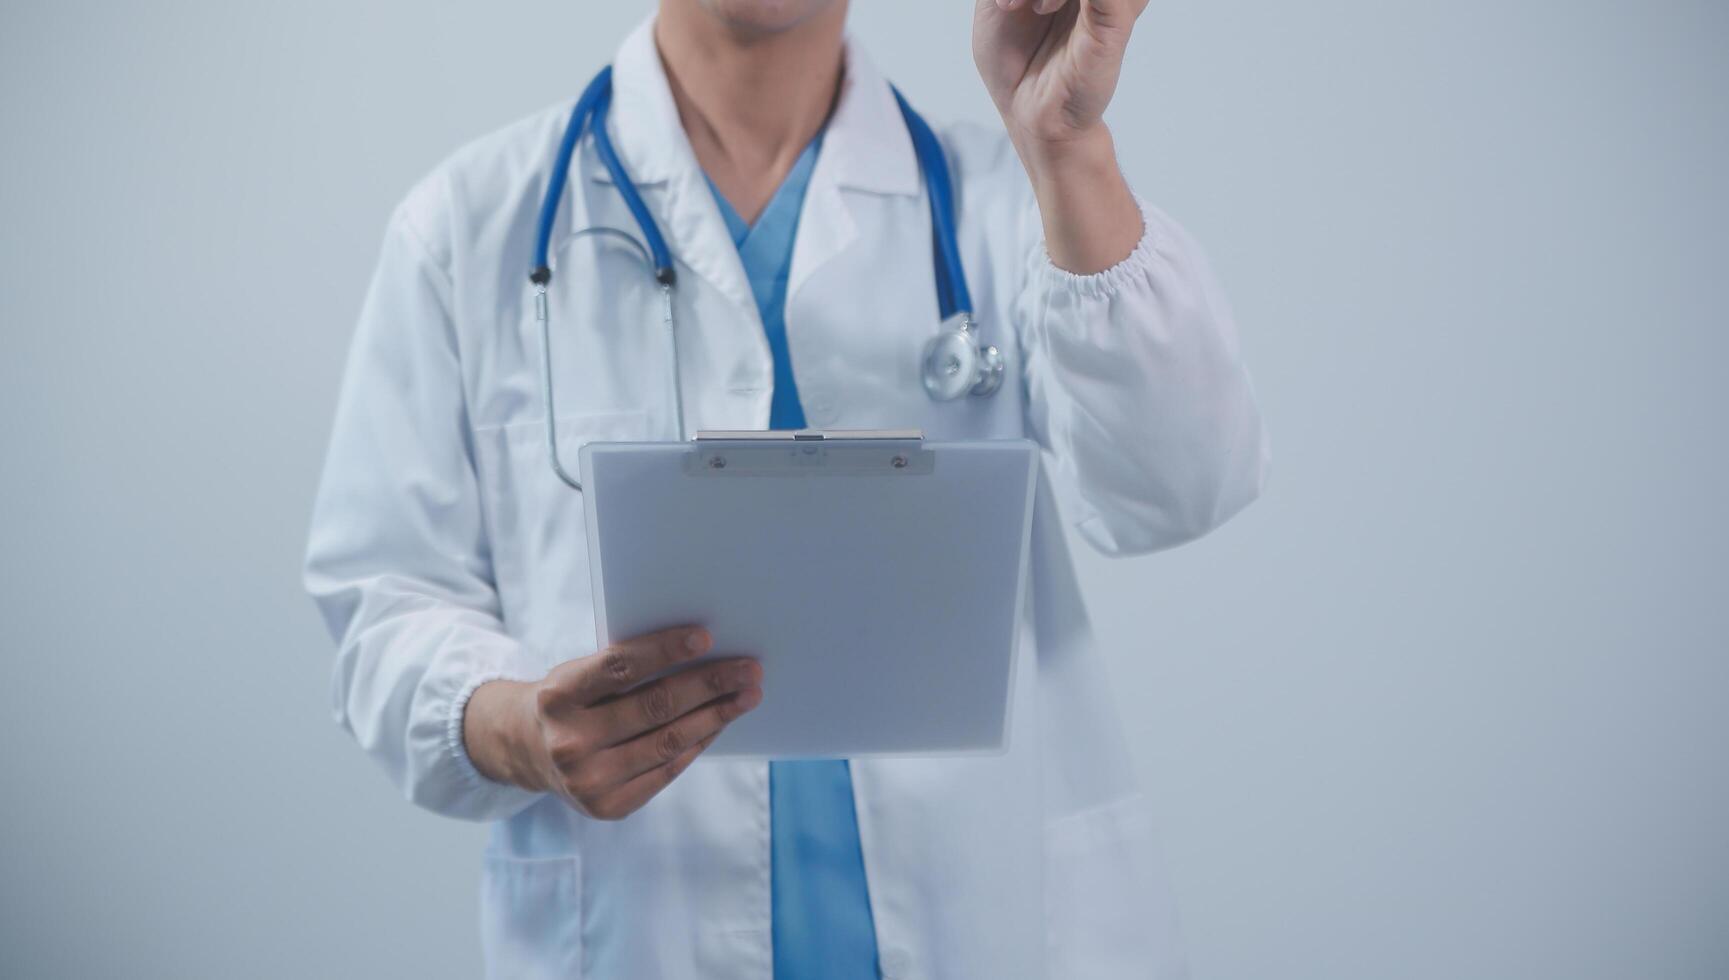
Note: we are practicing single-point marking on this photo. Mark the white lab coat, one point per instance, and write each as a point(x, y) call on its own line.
point(444, 553)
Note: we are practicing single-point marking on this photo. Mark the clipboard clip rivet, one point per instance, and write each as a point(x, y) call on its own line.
point(717, 462)
point(899, 462)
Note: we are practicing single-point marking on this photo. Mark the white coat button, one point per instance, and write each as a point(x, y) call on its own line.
point(895, 963)
point(818, 410)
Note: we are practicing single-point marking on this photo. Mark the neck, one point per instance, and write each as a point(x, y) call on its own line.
point(749, 101)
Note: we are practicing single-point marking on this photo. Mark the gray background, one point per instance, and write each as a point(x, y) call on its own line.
point(1449, 702)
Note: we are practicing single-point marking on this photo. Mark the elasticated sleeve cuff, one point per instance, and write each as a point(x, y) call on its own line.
point(1136, 267)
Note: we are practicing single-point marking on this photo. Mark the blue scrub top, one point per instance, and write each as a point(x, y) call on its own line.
point(821, 902)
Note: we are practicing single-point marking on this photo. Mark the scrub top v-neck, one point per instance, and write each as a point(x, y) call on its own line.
point(820, 898)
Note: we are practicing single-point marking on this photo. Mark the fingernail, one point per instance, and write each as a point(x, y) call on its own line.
point(749, 698)
point(697, 641)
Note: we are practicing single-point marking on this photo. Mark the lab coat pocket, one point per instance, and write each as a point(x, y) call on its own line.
point(531, 917)
point(535, 526)
point(1109, 916)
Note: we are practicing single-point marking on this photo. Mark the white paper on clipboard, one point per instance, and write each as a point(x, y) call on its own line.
point(877, 577)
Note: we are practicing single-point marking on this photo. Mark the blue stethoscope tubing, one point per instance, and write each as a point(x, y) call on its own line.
point(589, 115)
point(954, 362)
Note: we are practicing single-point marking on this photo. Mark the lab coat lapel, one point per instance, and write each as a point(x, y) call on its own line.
point(656, 153)
point(865, 148)
point(839, 289)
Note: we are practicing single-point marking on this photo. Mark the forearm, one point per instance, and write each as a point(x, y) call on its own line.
point(1090, 218)
point(407, 668)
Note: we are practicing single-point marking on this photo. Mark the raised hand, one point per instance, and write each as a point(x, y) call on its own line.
point(1051, 67)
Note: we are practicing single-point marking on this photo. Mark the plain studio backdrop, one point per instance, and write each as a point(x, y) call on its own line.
point(1451, 701)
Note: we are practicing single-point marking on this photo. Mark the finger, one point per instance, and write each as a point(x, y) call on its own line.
point(625, 800)
point(622, 666)
point(1047, 6)
point(653, 705)
point(1114, 13)
point(660, 747)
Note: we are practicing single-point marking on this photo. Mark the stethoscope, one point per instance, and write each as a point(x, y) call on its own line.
point(954, 363)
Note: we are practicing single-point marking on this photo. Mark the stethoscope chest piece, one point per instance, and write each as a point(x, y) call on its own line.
point(955, 365)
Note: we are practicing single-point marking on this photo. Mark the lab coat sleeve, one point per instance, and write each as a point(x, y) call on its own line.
point(1137, 393)
point(398, 559)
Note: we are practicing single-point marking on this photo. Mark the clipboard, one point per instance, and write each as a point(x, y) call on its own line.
point(877, 577)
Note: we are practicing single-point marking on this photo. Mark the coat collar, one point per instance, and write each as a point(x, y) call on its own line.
point(866, 148)
point(866, 141)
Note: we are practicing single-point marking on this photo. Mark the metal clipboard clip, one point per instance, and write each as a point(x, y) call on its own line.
point(810, 452)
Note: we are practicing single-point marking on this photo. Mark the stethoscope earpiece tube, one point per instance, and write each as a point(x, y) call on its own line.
point(954, 362)
point(627, 189)
point(952, 293)
point(589, 115)
point(541, 274)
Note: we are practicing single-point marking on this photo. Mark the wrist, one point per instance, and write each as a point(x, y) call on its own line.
point(501, 734)
point(1085, 153)
point(1091, 221)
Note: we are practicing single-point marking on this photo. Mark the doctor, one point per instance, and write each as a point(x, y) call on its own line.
point(449, 561)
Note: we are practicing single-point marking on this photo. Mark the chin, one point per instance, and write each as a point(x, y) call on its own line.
point(765, 16)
